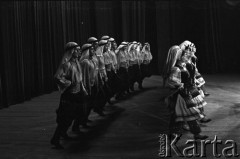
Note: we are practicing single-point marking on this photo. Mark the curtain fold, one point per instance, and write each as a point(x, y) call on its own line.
point(33, 34)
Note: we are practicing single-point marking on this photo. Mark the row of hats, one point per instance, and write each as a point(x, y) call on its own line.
point(105, 37)
point(72, 45)
point(104, 40)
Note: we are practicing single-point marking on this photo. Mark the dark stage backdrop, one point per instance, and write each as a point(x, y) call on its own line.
point(33, 34)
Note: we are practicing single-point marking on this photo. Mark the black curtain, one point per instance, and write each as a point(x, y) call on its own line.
point(33, 34)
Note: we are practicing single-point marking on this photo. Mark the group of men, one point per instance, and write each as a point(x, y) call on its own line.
point(89, 76)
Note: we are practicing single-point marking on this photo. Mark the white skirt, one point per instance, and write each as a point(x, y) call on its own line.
point(187, 114)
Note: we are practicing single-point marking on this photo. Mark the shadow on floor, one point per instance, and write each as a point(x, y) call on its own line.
point(137, 92)
point(98, 127)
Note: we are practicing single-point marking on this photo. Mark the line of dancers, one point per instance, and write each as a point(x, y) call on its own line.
point(185, 98)
point(91, 75)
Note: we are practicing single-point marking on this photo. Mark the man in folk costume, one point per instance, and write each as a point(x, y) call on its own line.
point(129, 67)
point(109, 65)
point(139, 56)
point(94, 42)
point(104, 89)
point(122, 58)
point(112, 52)
point(69, 81)
point(116, 79)
point(101, 94)
point(131, 59)
point(147, 58)
point(134, 70)
point(89, 64)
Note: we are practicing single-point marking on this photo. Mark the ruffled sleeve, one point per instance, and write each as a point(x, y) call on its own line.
point(174, 80)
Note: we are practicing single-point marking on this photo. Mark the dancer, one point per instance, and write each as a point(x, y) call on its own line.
point(184, 99)
point(69, 80)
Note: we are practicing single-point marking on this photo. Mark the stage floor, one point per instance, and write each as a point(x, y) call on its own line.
point(130, 130)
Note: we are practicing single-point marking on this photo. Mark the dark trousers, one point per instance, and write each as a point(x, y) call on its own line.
point(87, 107)
point(71, 106)
point(102, 95)
point(137, 74)
point(91, 102)
point(134, 75)
point(124, 79)
point(131, 76)
point(110, 84)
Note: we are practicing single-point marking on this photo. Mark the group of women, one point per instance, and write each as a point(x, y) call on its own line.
point(90, 75)
point(186, 91)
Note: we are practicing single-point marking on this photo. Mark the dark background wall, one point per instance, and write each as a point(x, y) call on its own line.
point(33, 34)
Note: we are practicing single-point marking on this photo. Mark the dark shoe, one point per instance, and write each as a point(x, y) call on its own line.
point(89, 121)
point(140, 87)
point(69, 138)
point(118, 96)
point(76, 130)
point(110, 102)
point(56, 144)
point(85, 126)
point(132, 89)
point(101, 113)
point(206, 94)
point(200, 137)
point(205, 120)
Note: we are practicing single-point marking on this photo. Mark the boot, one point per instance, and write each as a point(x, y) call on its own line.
point(206, 94)
point(56, 143)
point(205, 120)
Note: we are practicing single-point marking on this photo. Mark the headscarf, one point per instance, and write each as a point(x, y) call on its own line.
point(131, 52)
point(67, 54)
point(146, 52)
point(66, 57)
point(184, 44)
point(92, 40)
point(89, 75)
point(119, 48)
point(101, 45)
point(172, 57)
point(144, 48)
point(130, 46)
point(138, 47)
point(188, 46)
point(85, 51)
